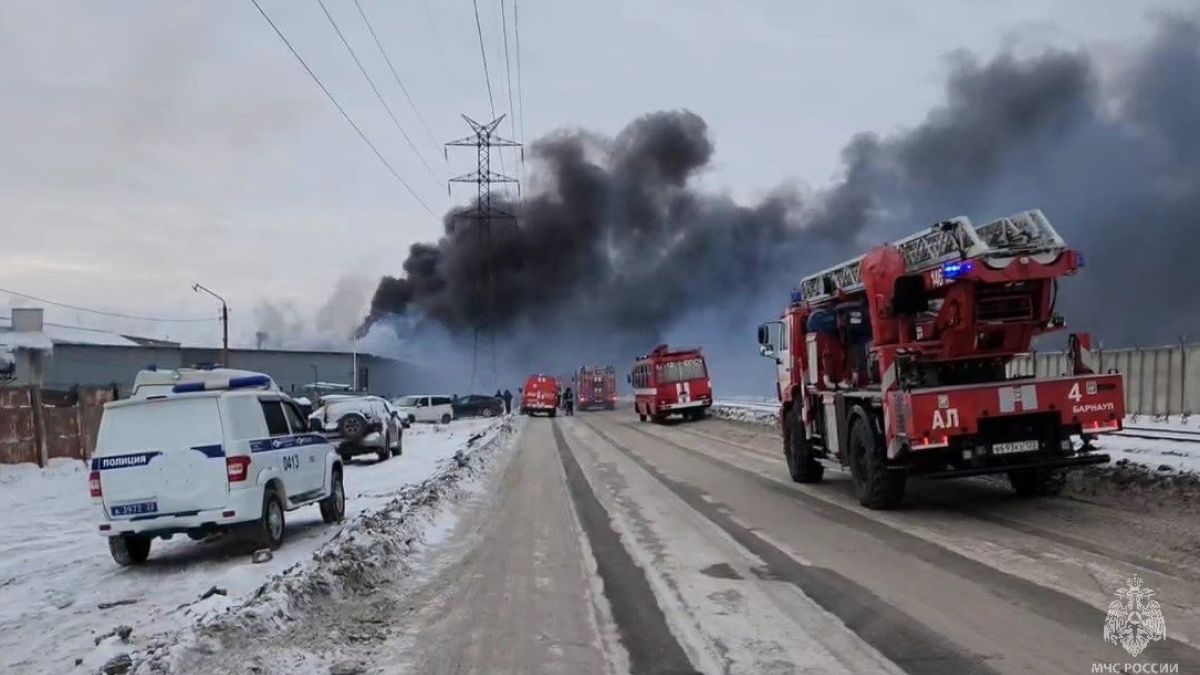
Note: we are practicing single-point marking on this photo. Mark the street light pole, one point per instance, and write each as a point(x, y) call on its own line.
point(224, 323)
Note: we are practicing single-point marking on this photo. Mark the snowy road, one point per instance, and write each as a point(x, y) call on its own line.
point(605, 545)
point(57, 581)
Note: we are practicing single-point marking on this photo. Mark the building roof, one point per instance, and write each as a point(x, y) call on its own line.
point(75, 335)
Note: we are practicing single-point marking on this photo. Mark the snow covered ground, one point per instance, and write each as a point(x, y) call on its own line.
point(60, 590)
point(750, 409)
point(1177, 444)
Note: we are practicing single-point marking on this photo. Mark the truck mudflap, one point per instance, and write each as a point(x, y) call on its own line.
point(1052, 463)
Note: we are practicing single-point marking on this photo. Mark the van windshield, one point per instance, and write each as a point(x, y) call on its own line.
point(678, 371)
point(407, 401)
point(159, 425)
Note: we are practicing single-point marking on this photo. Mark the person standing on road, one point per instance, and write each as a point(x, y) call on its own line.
point(507, 396)
point(569, 401)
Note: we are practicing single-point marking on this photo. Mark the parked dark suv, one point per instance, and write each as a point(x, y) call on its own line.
point(478, 405)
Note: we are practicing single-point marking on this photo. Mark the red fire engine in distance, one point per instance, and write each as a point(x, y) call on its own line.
point(900, 362)
point(540, 394)
point(596, 388)
point(671, 382)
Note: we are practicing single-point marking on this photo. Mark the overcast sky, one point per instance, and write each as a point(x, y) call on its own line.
point(147, 144)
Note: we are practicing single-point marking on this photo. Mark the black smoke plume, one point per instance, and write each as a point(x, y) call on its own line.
point(616, 240)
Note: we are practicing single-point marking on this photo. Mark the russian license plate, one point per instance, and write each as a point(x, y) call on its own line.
point(1014, 447)
point(134, 509)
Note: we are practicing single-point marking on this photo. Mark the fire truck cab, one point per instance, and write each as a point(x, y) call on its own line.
point(596, 387)
point(897, 363)
point(671, 382)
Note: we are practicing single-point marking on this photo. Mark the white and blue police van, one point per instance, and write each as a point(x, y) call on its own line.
point(216, 450)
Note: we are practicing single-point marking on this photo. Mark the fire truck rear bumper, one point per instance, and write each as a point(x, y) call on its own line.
point(1056, 463)
point(687, 405)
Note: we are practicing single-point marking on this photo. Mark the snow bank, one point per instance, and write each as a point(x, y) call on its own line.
point(364, 553)
point(1180, 452)
point(60, 590)
point(747, 409)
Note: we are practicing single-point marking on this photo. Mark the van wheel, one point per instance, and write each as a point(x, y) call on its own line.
point(877, 486)
point(1037, 482)
point(446, 418)
point(488, 412)
point(129, 549)
point(333, 507)
point(271, 522)
point(399, 449)
point(802, 465)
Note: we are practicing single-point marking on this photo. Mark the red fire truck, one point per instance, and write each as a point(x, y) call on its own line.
point(898, 362)
point(540, 394)
point(671, 381)
point(596, 387)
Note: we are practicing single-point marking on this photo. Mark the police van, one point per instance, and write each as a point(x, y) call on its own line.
point(212, 452)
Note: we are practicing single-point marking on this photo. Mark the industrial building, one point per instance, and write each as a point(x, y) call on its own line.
point(90, 358)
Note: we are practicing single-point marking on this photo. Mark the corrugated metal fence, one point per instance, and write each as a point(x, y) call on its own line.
point(1158, 380)
point(38, 425)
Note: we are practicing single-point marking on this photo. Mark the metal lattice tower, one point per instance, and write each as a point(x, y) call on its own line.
point(483, 139)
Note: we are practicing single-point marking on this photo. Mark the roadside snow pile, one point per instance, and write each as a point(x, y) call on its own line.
point(368, 551)
point(62, 597)
point(748, 409)
point(1177, 452)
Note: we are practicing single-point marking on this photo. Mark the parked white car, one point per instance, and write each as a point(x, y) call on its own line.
point(360, 425)
point(426, 408)
point(208, 456)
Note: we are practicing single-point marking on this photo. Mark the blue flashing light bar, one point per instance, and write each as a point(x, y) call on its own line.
point(245, 382)
point(957, 269)
point(797, 296)
point(249, 381)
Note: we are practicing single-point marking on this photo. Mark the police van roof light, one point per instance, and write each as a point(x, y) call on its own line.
point(243, 382)
point(249, 381)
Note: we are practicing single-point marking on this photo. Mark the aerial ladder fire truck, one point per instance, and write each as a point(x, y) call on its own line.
point(900, 362)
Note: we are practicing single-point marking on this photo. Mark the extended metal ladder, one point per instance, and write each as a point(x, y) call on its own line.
point(1026, 233)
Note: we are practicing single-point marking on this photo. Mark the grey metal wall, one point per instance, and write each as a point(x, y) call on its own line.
point(101, 365)
point(1158, 380)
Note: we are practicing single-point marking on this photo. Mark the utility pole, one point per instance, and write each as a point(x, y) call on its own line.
point(483, 139)
point(224, 323)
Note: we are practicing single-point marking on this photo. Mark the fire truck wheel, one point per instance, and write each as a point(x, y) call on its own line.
point(877, 486)
point(802, 465)
point(641, 417)
point(553, 412)
point(1037, 482)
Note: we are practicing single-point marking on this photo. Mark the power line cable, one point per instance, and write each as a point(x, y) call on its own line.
point(520, 86)
point(483, 53)
point(103, 312)
point(342, 110)
point(362, 69)
point(396, 75)
point(512, 116)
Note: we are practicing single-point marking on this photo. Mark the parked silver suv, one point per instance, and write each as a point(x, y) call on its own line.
point(359, 425)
